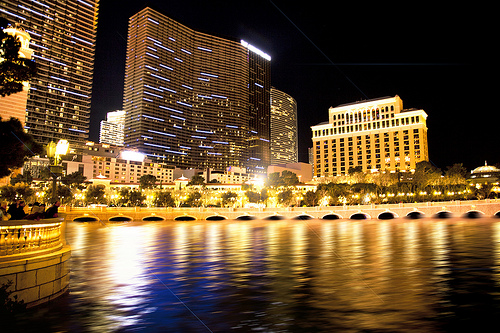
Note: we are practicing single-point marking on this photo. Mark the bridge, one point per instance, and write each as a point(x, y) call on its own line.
point(467, 209)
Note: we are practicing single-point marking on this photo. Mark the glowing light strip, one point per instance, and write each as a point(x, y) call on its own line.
point(6, 12)
point(155, 22)
point(170, 109)
point(165, 48)
point(221, 142)
point(169, 68)
point(69, 92)
point(58, 78)
point(152, 68)
point(176, 152)
point(198, 137)
point(175, 117)
point(219, 96)
point(160, 77)
point(154, 40)
point(153, 145)
point(76, 130)
point(184, 147)
point(162, 133)
point(86, 3)
point(34, 12)
point(188, 87)
point(201, 131)
point(155, 95)
point(47, 59)
point(154, 118)
point(211, 75)
point(203, 49)
point(40, 46)
point(186, 51)
point(259, 85)
point(185, 104)
point(232, 126)
point(82, 40)
point(209, 147)
point(256, 50)
point(41, 4)
point(152, 55)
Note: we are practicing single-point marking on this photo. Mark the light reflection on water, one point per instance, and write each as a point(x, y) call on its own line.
point(278, 276)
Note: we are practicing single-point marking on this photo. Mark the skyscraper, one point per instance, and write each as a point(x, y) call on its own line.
point(195, 100)
point(112, 128)
point(63, 41)
point(284, 142)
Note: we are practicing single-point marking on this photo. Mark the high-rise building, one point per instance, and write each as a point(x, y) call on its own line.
point(111, 131)
point(14, 105)
point(376, 134)
point(284, 141)
point(63, 37)
point(195, 100)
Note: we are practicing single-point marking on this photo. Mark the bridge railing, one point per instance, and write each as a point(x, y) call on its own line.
point(25, 238)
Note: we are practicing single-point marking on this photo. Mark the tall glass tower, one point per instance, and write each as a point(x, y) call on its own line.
point(195, 100)
point(284, 140)
point(63, 37)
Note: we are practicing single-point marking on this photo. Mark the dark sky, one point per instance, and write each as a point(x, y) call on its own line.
point(326, 54)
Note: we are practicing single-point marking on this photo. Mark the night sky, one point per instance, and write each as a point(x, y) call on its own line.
point(329, 53)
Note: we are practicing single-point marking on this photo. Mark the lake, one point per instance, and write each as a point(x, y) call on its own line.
point(400, 275)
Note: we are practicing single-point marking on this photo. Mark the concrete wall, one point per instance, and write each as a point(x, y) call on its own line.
point(39, 279)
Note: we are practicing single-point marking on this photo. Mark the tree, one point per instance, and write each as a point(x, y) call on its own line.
point(285, 197)
point(95, 194)
point(147, 181)
point(310, 199)
point(164, 199)
point(74, 180)
point(16, 146)
point(228, 198)
point(19, 191)
point(194, 199)
point(252, 196)
point(24, 177)
point(289, 178)
point(14, 70)
point(196, 180)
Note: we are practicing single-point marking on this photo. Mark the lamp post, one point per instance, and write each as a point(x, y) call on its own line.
point(54, 153)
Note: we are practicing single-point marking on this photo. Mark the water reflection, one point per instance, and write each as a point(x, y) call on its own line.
point(279, 276)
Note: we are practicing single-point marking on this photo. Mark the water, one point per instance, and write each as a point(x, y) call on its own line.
point(279, 276)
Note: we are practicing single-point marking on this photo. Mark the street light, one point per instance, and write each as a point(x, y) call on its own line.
point(54, 153)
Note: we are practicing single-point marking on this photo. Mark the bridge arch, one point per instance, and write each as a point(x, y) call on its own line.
point(86, 218)
point(120, 218)
point(331, 216)
point(153, 217)
point(473, 214)
point(387, 215)
point(443, 214)
point(246, 217)
point(497, 214)
point(416, 214)
point(303, 216)
point(274, 217)
point(185, 217)
point(360, 216)
point(216, 217)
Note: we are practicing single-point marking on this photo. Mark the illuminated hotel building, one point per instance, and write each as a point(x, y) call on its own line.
point(195, 100)
point(377, 134)
point(63, 42)
point(284, 144)
point(112, 129)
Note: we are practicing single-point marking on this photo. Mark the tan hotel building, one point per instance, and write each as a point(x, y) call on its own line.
point(376, 134)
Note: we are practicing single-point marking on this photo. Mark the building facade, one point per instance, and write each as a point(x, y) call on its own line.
point(112, 129)
point(376, 135)
point(63, 37)
point(284, 140)
point(14, 105)
point(194, 100)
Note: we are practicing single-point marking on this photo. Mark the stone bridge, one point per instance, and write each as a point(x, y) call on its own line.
point(468, 209)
